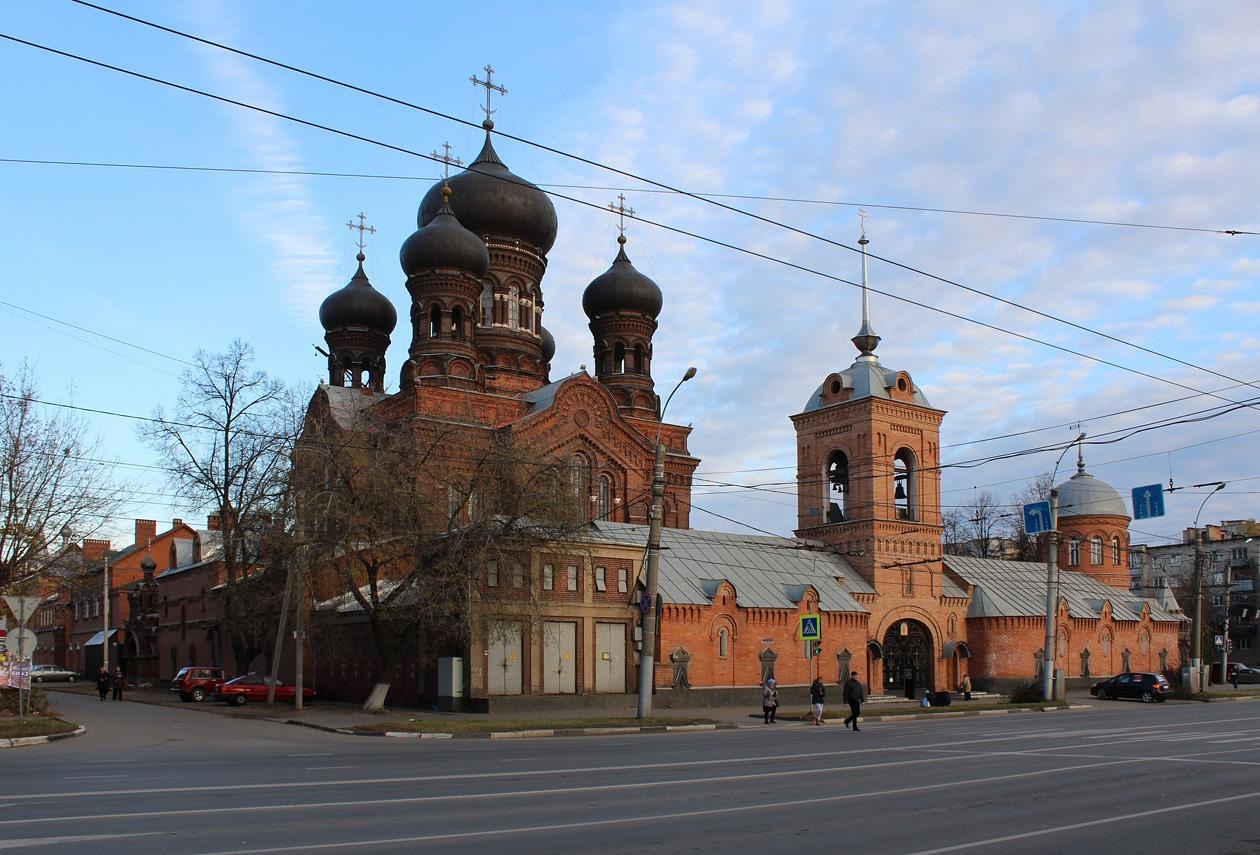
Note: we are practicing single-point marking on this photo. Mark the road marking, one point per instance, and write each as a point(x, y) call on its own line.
point(93, 777)
point(318, 768)
point(22, 843)
point(316, 754)
point(363, 844)
point(1124, 817)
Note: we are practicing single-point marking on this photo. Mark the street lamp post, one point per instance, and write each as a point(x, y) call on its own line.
point(648, 644)
point(1052, 558)
point(1229, 587)
point(1196, 640)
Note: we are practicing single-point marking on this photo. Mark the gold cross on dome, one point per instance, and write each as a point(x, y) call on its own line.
point(447, 159)
point(361, 227)
point(621, 211)
point(490, 86)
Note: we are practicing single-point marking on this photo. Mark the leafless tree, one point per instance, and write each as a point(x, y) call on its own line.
point(227, 446)
point(976, 526)
point(1037, 490)
point(405, 515)
point(54, 487)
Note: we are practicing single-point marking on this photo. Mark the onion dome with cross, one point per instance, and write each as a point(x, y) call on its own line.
point(358, 304)
point(444, 242)
point(621, 288)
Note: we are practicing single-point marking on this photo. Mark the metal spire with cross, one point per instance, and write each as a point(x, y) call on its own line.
point(490, 87)
point(866, 340)
point(361, 227)
point(446, 159)
point(621, 211)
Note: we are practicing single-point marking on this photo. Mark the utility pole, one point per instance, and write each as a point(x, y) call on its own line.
point(1196, 642)
point(1229, 582)
point(105, 613)
point(647, 654)
point(299, 645)
point(1048, 657)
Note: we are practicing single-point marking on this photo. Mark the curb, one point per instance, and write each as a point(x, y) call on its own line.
point(967, 713)
point(520, 734)
point(1234, 699)
point(21, 741)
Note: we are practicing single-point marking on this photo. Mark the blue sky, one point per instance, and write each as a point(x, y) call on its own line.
point(1141, 112)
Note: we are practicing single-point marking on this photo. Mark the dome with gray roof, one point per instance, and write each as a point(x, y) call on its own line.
point(621, 288)
point(1084, 495)
point(358, 305)
point(867, 378)
point(444, 242)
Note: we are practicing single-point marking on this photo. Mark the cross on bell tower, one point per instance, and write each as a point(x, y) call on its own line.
point(490, 87)
point(361, 227)
point(621, 211)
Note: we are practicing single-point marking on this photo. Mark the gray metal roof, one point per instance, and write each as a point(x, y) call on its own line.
point(868, 379)
point(766, 571)
point(1018, 589)
point(346, 403)
point(1085, 495)
point(544, 396)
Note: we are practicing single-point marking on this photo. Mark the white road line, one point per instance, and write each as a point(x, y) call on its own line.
point(91, 777)
point(1124, 817)
point(316, 754)
point(564, 826)
point(23, 843)
point(319, 768)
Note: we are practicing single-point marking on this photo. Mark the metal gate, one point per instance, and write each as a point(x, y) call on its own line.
point(559, 657)
point(610, 657)
point(504, 660)
point(908, 658)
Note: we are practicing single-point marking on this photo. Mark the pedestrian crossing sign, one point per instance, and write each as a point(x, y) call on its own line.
point(811, 627)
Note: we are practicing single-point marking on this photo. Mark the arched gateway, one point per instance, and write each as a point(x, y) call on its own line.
point(909, 655)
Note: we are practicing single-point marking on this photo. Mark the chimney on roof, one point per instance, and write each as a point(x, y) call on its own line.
point(175, 523)
point(212, 522)
point(146, 530)
point(94, 550)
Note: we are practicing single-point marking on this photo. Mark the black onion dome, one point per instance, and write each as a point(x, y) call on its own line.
point(621, 288)
point(444, 243)
point(358, 305)
point(489, 200)
point(548, 343)
point(147, 563)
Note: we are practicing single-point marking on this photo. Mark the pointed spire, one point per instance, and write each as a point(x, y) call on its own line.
point(1080, 454)
point(866, 340)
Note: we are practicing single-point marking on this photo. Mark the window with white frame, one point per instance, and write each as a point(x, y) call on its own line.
point(1074, 553)
point(623, 580)
point(492, 574)
point(1096, 550)
point(601, 580)
point(571, 574)
point(1115, 552)
point(1238, 553)
point(549, 577)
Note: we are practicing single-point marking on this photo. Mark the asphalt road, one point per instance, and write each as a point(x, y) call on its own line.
point(1175, 777)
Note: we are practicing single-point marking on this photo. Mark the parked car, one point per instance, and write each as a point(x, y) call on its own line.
point(49, 673)
point(1247, 674)
point(195, 684)
point(1144, 687)
point(253, 687)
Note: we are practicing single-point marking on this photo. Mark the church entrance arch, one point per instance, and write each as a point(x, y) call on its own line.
point(908, 658)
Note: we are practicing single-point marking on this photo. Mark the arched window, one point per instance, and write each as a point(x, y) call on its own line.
point(1115, 552)
point(435, 322)
point(640, 367)
point(905, 485)
point(580, 478)
point(487, 304)
point(1074, 552)
point(724, 643)
point(837, 486)
point(603, 505)
point(525, 313)
point(457, 323)
point(1096, 551)
point(619, 358)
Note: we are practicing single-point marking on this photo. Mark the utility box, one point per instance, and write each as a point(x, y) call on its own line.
point(450, 683)
point(1060, 684)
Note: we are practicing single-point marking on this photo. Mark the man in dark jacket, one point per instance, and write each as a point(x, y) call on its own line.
point(817, 695)
point(854, 695)
point(103, 683)
point(118, 683)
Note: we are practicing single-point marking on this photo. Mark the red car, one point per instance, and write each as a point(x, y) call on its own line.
point(196, 684)
point(253, 687)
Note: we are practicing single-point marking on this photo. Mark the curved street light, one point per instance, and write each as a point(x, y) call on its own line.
point(1052, 574)
point(1196, 641)
point(648, 644)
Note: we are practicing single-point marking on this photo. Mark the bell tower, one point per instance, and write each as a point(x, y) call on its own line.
point(868, 468)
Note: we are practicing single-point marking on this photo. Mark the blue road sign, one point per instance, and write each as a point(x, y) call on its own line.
point(810, 629)
point(1148, 501)
point(1036, 517)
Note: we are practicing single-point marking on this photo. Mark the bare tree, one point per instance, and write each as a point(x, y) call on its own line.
point(1026, 545)
point(954, 522)
point(227, 447)
point(406, 516)
point(976, 525)
point(54, 489)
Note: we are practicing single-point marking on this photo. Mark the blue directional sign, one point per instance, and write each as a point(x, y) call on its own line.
point(1148, 501)
point(811, 627)
point(1037, 517)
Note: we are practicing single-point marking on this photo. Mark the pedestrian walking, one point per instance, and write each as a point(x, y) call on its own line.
point(118, 683)
point(769, 702)
point(927, 698)
point(854, 696)
point(817, 694)
point(103, 683)
point(1233, 678)
point(965, 687)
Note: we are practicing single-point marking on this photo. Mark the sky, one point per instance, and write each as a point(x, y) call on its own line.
point(1142, 113)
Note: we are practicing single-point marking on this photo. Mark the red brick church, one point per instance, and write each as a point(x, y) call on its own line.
point(867, 553)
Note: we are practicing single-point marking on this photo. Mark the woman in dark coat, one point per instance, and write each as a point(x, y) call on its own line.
point(118, 683)
point(103, 683)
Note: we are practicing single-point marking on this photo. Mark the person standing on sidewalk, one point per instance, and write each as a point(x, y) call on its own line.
point(118, 682)
point(103, 683)
point(854, 696)
point(769, 702)
point(817, 693)
point(965, 686)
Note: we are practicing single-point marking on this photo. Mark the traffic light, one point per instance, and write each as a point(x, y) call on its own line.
point(815, 648)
